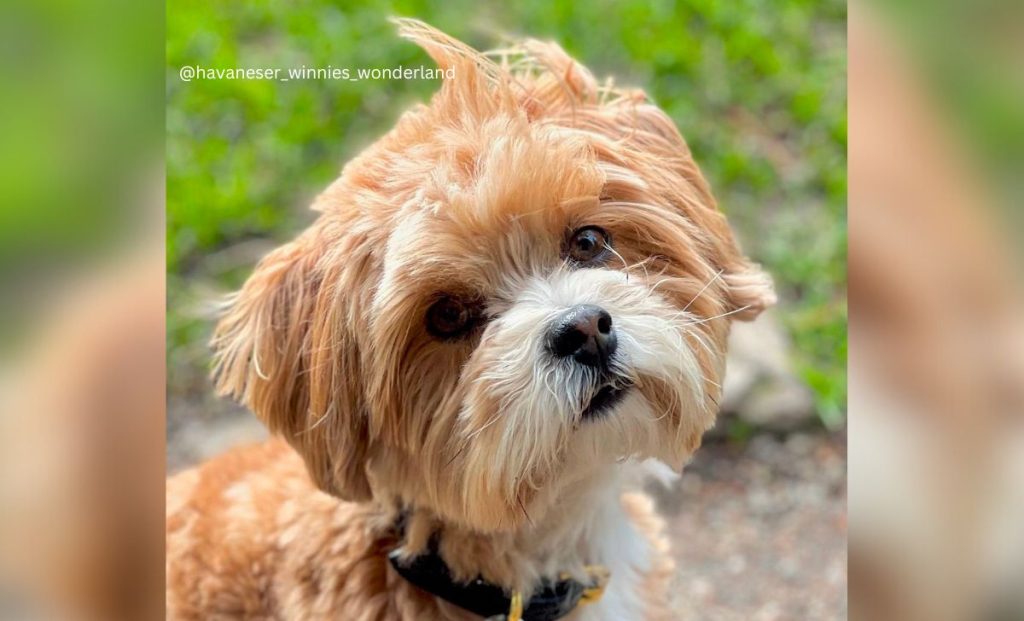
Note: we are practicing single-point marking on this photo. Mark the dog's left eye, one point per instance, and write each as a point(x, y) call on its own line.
point(449, 317)
point(588, 245)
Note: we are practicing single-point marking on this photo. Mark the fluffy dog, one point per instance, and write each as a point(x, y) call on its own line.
point(508, 308)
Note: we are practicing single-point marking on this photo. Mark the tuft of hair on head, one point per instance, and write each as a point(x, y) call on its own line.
point(533, 76)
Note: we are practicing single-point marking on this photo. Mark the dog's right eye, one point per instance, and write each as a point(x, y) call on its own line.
point(449, 317)
point(588, 245)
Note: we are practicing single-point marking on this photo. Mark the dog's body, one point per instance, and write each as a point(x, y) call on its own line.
point(507, 306)
point(250, 537)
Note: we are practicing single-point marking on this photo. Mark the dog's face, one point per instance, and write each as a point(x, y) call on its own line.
point(520, 283)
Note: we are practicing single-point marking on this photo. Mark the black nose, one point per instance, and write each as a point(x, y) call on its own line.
point(585, 333)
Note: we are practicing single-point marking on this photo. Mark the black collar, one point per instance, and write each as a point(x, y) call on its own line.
point(550, 602)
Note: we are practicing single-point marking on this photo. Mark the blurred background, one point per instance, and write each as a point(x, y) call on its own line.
point(936, 365)
point(82, 298)
point(759, 91)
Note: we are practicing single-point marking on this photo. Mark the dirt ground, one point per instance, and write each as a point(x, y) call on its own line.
point(758, 528)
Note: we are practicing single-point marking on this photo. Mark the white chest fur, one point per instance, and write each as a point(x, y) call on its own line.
point(628, 556)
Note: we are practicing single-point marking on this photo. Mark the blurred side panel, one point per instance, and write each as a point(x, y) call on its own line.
point(81, 310)
point(936, 316)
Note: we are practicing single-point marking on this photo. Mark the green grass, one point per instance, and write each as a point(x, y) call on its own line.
point(758, 87)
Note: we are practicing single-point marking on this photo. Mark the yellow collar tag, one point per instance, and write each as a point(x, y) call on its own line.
point(599, 576)
point(515, 609)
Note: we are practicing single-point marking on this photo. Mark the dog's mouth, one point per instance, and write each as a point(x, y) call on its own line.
point(604, 400)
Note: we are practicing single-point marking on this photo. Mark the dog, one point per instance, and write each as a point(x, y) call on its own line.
point(509, 311)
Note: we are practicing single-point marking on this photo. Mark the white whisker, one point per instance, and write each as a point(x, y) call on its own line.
point(707, 319)
point(703, 289)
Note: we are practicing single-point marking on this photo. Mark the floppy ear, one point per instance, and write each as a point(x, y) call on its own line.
point(750, 290)
point(283, 349)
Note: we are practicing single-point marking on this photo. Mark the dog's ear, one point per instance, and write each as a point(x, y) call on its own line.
point(283, 349)
point(750, 290)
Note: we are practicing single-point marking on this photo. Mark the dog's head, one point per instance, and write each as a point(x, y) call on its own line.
point(521, 282)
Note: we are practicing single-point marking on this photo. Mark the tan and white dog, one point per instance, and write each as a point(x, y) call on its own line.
point(509, 307)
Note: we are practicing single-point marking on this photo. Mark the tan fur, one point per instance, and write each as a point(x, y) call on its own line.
point(471, 196)
point(250, 537)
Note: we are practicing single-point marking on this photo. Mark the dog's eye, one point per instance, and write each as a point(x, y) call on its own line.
point(449, 317)
point(588, 245)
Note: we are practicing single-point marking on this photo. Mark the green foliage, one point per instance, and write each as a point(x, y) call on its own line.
point(758, 87)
